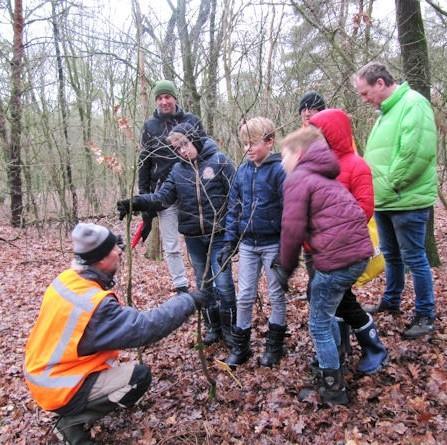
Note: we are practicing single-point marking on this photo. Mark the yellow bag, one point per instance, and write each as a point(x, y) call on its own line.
point(376, 264)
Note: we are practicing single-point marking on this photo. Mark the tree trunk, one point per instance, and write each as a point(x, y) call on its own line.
point(15, 106)
point(211, 89)
point(188, 59)
point(73, 214)
point(413, 45)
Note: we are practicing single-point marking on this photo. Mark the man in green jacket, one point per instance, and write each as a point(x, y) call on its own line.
point(401, 151)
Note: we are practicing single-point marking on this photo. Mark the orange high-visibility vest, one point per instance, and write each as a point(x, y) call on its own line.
point(53, 369)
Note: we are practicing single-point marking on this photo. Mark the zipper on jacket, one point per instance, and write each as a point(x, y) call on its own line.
point(253, 203)
point(198, 194)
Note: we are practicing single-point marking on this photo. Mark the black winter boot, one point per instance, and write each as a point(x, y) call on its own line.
point(72, 435)
point(212, 323)
point(274, 345)
point(374, 354)
point(71, 428)
point(240, 352)
point(332, 388)
point(227, 324)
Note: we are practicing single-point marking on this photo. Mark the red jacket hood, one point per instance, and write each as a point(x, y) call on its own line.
point(336, 127)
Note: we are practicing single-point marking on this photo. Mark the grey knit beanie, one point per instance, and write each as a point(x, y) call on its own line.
point(312, 101)
point(165, 87)
point(91, 242)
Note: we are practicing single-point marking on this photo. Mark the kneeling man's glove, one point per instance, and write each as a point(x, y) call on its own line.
point(281, 274)
point(201, 299)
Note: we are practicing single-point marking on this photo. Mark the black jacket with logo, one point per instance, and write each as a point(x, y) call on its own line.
point(200, 188)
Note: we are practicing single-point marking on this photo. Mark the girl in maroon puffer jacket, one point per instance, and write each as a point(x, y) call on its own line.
point(322, 213)
point(356, 176)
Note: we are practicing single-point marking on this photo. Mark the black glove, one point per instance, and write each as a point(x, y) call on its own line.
point(227, 251)
point(280, 273)
point(120, 242)
point(201, 299)
point(147, 217)
point(123, 206)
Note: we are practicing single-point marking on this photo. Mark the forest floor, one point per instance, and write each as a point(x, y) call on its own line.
point(405, 403)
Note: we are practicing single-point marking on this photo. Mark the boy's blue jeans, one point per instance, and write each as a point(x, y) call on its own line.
point(327, 289)
point(251, 261)
point(402, 241)
point(216, 281)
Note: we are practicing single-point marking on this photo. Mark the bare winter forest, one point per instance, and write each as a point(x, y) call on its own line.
point(76, 82)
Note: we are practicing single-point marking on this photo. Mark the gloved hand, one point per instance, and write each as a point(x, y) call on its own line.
point(281, 274)
point(123, 206)
point(147, 217)
point(227, 251)
point(120, 242)
point(201, 299)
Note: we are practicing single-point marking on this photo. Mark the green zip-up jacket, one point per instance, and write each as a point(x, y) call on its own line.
point(401, 151)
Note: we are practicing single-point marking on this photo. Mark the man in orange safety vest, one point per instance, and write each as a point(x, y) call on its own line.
point(70, 357)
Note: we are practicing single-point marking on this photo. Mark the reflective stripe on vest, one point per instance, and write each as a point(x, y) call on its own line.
point(52, 377)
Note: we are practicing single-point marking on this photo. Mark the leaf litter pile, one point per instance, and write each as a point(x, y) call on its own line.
point(405, 403)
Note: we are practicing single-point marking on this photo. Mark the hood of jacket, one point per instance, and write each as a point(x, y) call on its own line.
point(336, 127)
point(209, 148)
point(318, 158)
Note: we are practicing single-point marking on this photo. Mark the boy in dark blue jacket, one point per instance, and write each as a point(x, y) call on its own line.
point(254, 222)
point(200, 184)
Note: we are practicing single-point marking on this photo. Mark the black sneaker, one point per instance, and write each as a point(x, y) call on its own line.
point(182, 289)
point(421, 325)
point(383, 306)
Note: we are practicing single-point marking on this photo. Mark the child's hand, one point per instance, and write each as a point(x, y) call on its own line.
point(281, 274)
point(124, 205)
point(227, 251)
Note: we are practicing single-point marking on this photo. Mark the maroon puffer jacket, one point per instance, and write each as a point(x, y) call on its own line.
point(355, 174)
point(320, 211)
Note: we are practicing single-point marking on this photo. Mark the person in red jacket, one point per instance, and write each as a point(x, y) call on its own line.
point(356, 176)
point(322, 213)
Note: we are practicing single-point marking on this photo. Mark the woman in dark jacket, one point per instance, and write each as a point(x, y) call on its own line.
point(199, 183)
